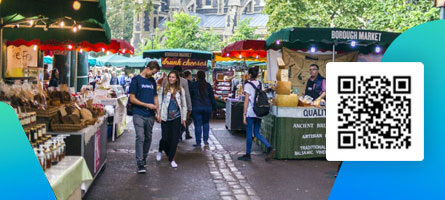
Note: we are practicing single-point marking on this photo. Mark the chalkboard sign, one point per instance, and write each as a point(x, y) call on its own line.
point(18, 59)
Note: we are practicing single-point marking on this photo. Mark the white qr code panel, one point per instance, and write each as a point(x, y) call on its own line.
point(374, 111)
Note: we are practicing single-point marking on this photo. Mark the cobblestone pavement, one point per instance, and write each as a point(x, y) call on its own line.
point(209, 174)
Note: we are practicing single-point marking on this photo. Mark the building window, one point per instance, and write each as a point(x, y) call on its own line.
point(207, 3)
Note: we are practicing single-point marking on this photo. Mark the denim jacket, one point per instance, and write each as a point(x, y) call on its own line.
point(164, 101)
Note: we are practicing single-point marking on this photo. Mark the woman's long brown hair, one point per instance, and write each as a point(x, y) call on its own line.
point(176, 85)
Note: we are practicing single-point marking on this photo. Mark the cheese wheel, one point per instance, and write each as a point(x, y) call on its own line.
point(283, 75)
point(286, 100)
point(283, 87)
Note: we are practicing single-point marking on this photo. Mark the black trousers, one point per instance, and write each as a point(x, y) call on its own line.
point(171, 131)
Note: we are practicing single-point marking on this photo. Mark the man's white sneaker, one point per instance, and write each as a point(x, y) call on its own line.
point(159, 156)
point(173, 164)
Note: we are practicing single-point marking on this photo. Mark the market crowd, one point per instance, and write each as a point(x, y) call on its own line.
point(175, 100)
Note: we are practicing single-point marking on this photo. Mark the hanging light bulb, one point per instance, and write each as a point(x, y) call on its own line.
point(256, 56)
point(76, 5)
point(79, 27)
point(227, 54)
point(108, 53)
point(278, 42)
point(313, 49)
point(353, 43)
point(35, 47)
point(240, 56)
point(70, 47)
point(123, 51)
point(62, 24)
point(31, 22)
point(75, 29)
point(81, 50)
point(103, 49)
point(377, 49)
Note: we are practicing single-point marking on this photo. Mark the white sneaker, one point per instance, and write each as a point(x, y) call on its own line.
point(159, 156)
point(173, 164)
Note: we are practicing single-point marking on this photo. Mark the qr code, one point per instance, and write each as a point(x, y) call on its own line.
point(374, 111)
point(377, 109)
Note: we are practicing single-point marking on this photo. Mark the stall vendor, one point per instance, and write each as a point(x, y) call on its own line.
point(316, 85)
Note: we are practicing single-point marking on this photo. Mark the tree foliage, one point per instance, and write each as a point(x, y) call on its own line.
point(157, 37)
point(184, 32)
point(120, 18)
point(383, 15)
point(244, 31)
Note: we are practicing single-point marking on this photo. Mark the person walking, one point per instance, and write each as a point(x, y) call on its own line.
point(185, 85)
point(188, 77)
point(203, 101)
point(173, 114)
point(250, 119)
point(143, 96)
point(54, 82)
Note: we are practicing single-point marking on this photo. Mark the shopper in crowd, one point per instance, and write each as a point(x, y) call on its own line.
point(173, 114)
point(54, 82)
point(185, 85)
point(122, 78)
point(188, 77)
point(106, 77)
point(203, 101)
point(46, 74)
point(97, 79)
point(128, 82)
point(114, 80)
point(160, 80)
point(143, 96)
point(250, 119)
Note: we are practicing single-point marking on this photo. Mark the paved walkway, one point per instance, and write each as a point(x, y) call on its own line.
point(209, 174)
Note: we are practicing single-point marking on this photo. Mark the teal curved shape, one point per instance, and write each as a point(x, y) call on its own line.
point(408, 180)
point(20, 172)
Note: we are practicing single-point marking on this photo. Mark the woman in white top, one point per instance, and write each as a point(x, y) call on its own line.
point(252, 121)
point(172, 114)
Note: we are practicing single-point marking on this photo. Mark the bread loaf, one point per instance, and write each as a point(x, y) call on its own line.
point(286, 100)
point(86, 114)
point(283, 87)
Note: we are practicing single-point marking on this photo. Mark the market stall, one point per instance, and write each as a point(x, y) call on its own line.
point(296, 124)
point(58, 123)
point(248, 53)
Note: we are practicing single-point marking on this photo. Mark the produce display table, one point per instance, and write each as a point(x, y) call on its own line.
point(234, 114)
point(67, 176)
point(119, 116)
point(89, 143)
point(296, 132)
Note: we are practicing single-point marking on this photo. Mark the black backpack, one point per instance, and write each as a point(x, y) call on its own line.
point(261, 105)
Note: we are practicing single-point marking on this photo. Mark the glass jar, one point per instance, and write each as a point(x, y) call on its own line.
point(55, 153)
point(33, 117)
point(63, 146)
point(42, 158)
point(48, 155)
point(44, 129)
point(40, 131)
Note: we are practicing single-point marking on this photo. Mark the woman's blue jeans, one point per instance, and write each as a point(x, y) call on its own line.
point(254, 125)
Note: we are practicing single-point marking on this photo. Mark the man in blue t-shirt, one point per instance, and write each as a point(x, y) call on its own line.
point(145, 104)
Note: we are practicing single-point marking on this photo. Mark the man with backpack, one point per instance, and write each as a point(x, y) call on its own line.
point(256, 105)
point(145, 105)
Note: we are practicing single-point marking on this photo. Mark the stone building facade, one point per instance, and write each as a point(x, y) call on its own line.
point(220, 15)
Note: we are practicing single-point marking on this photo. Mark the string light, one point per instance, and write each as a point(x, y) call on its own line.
point(31, 22)
point(62, 24)
point(79, 27)
point(81, 50)
point(353, 43)
point(256, 56)
point(70, 47)
point(313, 49)
point(123, 51)
point(103, 49)
point(76, 5)
point(377, 49)
point(75, 29)
point(227, 54)
point(108, 53)
point(278, 42)
point(35, 47)
point(240, 56)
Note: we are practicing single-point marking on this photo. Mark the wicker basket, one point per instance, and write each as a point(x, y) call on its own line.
point(91, 121)
point(67, 127)
point(49, 112)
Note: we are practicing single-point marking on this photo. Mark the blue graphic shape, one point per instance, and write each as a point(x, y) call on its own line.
point(408, 180)
point(21, 176)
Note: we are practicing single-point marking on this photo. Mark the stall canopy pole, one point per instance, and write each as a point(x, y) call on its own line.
point(333, 53)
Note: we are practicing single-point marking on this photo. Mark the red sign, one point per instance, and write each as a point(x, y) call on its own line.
point(185, 63)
